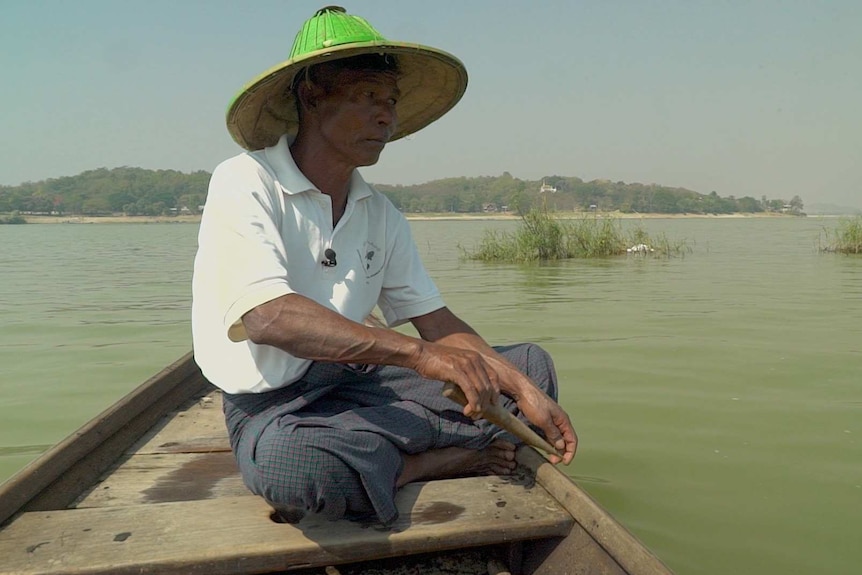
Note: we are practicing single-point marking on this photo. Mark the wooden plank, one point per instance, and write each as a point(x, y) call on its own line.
point(619, 542)
point(236, 535)
point(195, 427)
point(164, 477)
point(60, 475)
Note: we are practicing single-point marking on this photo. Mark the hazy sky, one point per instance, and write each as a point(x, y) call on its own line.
point(747, 98)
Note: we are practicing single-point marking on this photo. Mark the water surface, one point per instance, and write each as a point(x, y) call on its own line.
point(716, 396)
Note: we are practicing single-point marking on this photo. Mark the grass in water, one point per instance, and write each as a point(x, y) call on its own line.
point(543, 237)
point(14, 218)
point(845, 239)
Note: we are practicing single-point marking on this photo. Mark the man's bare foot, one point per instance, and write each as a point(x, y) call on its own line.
point(496, 459)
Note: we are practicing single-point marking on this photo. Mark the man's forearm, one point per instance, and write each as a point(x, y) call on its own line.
point(467, 340)
point(304, 328)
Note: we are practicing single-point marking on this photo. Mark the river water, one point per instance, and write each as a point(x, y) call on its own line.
point(717, 396)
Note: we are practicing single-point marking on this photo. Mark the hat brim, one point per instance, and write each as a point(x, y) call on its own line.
point(430, 81)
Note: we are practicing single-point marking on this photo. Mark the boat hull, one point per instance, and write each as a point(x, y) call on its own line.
point(150, 485)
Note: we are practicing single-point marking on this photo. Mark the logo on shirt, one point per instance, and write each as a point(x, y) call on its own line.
point(372, 259)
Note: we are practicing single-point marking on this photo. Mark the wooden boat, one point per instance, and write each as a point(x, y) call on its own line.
point(150, 486)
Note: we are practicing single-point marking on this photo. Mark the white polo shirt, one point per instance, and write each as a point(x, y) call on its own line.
point(264, 233)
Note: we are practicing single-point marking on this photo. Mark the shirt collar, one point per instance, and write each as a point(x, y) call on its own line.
point(293, 181)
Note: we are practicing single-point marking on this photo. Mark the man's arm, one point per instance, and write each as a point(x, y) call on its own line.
point(444, 327)
point(449, 351)
point(306, 329)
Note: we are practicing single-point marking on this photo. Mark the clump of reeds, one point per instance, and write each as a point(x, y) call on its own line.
point(845, 239)
point(543, 237)
point(14, 218)
point(594, 237)
point(664, 246)
point(539, 238)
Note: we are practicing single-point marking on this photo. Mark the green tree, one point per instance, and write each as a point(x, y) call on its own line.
point(796, 204)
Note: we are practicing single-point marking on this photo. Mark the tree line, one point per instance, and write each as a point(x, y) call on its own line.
point(560, 193)
point(141, 192)
point(128, 191)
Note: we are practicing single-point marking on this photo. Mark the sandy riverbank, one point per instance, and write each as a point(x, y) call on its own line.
point(575, 215)
point(191, 219)
point(112, 219)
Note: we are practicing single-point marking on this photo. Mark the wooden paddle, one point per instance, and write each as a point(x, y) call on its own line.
point(498, 415)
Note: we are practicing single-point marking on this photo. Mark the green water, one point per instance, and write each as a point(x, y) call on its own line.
point(717, 397)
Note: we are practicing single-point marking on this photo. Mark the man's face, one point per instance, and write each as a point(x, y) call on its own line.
point(358, 117)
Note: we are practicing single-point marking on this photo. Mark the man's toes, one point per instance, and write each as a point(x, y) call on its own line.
point(507, 454)
point(497, 469)
point(503, 444)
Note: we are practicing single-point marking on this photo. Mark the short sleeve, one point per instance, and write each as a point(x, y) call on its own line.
point(241, 261)
point(408, 290)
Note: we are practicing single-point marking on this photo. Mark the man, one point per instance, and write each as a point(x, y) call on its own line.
point(325, 413)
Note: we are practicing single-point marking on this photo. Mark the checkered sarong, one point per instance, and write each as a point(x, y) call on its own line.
point(331, 443)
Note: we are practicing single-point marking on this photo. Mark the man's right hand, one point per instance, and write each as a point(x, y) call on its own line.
point(483, 377)
point(467, 369)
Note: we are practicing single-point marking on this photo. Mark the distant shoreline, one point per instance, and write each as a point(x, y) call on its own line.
point(194, 219)
point(112, 219)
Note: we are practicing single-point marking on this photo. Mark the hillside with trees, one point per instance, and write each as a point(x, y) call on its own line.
point(139, 192)
point(127, 191)
point(560, 193)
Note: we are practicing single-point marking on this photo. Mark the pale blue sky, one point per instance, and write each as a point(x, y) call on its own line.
point(747, 98)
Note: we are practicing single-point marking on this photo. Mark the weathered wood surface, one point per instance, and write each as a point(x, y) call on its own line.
point(186, 457)
point(162, 478)
point(236, 535)
point(196, 427)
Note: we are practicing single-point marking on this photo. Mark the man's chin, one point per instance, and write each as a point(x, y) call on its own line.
point(369, 160)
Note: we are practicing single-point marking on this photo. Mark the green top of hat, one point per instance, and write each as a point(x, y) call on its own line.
point(332, 26)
